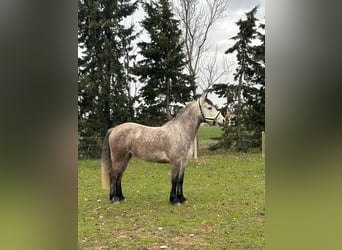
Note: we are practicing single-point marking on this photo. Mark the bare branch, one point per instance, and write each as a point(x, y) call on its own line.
point(213, 72)
point(197, 18)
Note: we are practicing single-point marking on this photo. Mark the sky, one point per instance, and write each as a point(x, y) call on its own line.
point(226, 27)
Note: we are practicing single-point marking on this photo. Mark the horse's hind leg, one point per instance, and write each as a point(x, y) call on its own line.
point(118, 183)
point(113, 175)
point(118, 168)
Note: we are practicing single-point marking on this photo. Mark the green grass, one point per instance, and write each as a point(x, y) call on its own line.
point(209, 134)
point(225, 210)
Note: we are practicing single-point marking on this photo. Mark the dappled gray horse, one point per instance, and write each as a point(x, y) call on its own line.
point(170, 143)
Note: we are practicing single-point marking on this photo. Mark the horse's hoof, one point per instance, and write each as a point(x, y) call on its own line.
point(115, 202)
point(176, 204)
point(183, 200)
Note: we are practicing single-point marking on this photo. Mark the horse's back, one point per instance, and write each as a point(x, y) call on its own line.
point(132, 130)
point(123, 133)
point(145, 142)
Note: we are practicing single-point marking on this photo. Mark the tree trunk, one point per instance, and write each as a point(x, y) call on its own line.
point(168, 112)
point(238, 115)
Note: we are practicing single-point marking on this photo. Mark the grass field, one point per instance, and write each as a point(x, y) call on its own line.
point(225, 209)
point(209, 134)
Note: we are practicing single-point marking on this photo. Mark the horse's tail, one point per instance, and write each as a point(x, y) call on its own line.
point(106, 163)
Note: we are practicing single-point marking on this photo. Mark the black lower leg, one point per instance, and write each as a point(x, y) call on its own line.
point(119, 190)
point(173, 194)
point(113, 197)
point(179, 190)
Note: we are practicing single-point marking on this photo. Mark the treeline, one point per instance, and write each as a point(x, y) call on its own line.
point(122, 78)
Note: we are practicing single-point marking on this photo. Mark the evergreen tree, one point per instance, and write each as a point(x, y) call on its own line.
point(161, 68)
point(246, 97)
point(103, 94)
point(257, 100)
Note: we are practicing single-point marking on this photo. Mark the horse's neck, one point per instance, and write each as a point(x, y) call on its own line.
point(189, 121)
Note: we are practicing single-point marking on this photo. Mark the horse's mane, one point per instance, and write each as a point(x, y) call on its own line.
point(181, 112)
point(185, 109)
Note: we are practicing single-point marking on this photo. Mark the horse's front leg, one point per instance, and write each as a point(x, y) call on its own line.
point(179, 190)
point(177, 177)
point(173, 194)
point(175, 167)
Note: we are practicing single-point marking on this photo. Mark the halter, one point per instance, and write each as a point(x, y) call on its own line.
point(208, 118)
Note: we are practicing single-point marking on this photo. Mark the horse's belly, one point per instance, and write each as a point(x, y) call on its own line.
point(160, 157)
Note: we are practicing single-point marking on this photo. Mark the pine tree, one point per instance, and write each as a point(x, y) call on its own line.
point(260, 76)
point(246, 97)
point(256, 121)
point(103, 99)
point(161, 69)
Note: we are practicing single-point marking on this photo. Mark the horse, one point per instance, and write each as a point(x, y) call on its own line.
point(169, 143)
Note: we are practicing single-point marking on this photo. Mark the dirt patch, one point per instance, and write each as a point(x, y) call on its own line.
point(261, 215)
point(209, 227)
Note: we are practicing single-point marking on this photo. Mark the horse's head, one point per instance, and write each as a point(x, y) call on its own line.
point(209, 112)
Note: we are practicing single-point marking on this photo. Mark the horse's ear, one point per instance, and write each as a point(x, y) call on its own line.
point(205, 93)
point(203, 98)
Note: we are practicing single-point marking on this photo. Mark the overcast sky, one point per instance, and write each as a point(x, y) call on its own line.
point(226, 27)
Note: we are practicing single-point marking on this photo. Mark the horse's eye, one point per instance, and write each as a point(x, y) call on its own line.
point(209, 108)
